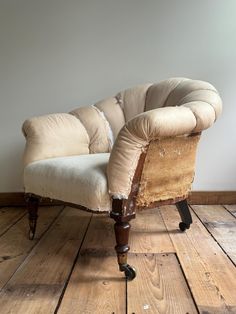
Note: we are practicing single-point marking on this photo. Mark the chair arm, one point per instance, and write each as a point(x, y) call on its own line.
point(137, 133)
point(54, 135)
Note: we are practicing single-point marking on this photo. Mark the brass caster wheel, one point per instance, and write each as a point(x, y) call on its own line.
point(183, 226)
point(130, 271)
point(31, 234)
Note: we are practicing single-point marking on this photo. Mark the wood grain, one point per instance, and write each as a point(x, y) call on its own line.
point(9, 216)
point(210, 274)
point(100, 234)
point(221, 224)
point(212, 197)
point(160, 287)
point(15, 245)
point(149, 234)
point(35, 273)
point(38, 283)
point(96, 285)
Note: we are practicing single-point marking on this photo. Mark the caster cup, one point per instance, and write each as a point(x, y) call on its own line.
point(130, 271)
point(183, 226)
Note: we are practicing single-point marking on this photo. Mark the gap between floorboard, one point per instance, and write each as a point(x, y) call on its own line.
point(214, 238)
point(35, 243)
point(72, 268)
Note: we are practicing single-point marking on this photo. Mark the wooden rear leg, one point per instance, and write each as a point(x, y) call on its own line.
point(185, 215)
point(32, 206)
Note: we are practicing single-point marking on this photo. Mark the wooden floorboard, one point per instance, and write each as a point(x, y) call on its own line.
point(159, 286)
point(231, 209)
point(9, 216)
point(38, 283)
point(191, 272)
point(96, 285)
point(15, 245)
point(100, 234)
point(210, 274)
point(221, 225)
point(148, 233)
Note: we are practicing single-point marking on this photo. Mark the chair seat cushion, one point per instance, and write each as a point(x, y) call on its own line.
point(79, 180)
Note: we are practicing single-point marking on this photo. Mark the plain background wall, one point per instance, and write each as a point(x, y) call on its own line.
point(56, 55)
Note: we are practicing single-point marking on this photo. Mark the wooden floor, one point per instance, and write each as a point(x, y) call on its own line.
point(71, 267)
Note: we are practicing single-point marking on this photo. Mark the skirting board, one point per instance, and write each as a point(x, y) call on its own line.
point(212, 198)
point(195, 198)
point(18, 199)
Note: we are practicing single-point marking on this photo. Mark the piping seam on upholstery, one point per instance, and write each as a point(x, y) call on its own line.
point(110, 136)
point(196, 90)
point(145, 102)
point(172, 91)
point(81, 124)
point(120, 103)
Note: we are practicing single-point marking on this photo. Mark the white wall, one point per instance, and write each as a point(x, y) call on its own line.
point(55, 55)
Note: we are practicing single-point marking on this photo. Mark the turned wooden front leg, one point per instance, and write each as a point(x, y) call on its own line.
point(122, 240)
point(122, 228)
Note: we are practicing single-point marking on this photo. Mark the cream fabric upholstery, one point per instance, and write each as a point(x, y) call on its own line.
point(113, 112)
point(135, 136)
point(183, 106)
point(54, 135)
point(97, 127)
point(74, 179)
point(130, 120)
point(132, 100)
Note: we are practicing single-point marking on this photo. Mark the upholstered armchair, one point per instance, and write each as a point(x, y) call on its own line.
point(133, 151)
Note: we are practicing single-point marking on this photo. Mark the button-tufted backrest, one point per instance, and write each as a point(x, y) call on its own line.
point(200, 97)
point(98, 125)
